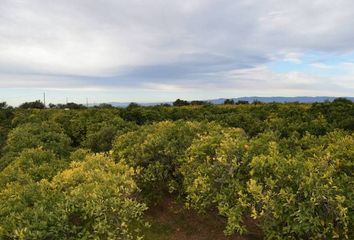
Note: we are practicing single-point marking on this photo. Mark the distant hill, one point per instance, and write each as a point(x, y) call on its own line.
point(125, 104)
point(303, 99)
point(280, 99)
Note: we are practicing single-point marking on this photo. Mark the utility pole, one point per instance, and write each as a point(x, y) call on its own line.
point(66, 100)
point(44, 99)
point(87, 102)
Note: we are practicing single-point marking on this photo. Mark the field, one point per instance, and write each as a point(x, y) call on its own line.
point(247, 171)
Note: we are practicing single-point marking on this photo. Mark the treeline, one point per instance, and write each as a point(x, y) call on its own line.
point(92, 173)
point(178, 103)
point(317, 118)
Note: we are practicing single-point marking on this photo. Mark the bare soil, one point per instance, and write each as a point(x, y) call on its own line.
point(170, 220)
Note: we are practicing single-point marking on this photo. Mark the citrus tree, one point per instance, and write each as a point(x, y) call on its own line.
point(92, 199)
point(305, 195)
point(154, 151)
point(215, 172)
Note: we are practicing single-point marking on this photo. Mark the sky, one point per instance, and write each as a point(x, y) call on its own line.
point(161, 50)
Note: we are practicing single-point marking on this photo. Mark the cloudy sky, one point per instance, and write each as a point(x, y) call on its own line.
point(160, 50)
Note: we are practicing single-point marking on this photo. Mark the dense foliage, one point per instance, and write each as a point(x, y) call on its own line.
point(91, 199)
point(90, 173)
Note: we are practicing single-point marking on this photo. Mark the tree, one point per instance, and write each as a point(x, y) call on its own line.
point(214, 172)
point(240, 102)
point(100, 140)
point(104, 105)
point(198, 103)
point(51, 105)
point(47, 135)
point(342, 100)
point(31, 105)
point(99, 199)
point(72, 105)
point(6, 116)
point(229, 101)
point(180, 102)
point(92, 199)
point(154, 150)
point(256, 102)
point(34, 164)
point(3, 105)
point(133, 105)
point(297, 198)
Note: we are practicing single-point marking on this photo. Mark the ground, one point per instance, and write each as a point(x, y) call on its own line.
point(171, 221)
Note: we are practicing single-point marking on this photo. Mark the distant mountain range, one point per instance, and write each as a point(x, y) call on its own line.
point(249, 99)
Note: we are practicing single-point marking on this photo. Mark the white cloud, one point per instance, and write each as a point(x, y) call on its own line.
point(262, 78)
point(322, 65)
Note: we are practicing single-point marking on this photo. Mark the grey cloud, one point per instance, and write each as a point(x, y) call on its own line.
point(113, 43)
